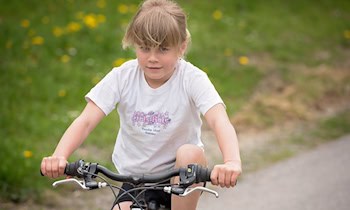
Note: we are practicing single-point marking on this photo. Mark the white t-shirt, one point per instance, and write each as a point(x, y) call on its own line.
point(154, 123)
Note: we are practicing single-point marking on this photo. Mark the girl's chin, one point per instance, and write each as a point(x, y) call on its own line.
point(154, 77)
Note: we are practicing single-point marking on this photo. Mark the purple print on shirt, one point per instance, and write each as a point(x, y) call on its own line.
point(155, 119)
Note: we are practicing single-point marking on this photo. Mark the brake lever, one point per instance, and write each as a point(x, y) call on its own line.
point(199, 188)
point(89, 185)
point(81, 183)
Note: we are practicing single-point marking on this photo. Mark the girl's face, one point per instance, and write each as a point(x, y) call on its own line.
point(158, 63)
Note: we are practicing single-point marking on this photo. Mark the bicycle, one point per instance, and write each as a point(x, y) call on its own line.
point(87, 173)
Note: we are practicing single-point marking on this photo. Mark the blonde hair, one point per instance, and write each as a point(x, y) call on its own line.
point(157, 23)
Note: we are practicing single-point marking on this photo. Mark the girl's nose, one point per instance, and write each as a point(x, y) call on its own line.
point(152, 57)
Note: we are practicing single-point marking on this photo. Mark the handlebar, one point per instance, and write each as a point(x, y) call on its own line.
point(188, 176)
point(87, 172)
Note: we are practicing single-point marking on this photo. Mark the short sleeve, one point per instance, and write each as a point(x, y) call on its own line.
point(203, 92)
point(106, 93)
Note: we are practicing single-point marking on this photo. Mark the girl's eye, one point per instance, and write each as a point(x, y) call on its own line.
point(143, 48)
point(163, 49)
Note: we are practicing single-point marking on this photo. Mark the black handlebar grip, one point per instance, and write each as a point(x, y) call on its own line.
point(203, 175)
point(72, 168)
point(208, 175)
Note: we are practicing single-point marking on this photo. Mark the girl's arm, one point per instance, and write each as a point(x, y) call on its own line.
point(224, 174)
point(74, 136)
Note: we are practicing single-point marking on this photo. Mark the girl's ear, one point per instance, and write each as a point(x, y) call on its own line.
point(183, 49)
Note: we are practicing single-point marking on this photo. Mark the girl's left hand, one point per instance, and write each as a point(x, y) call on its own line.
point(226, 174)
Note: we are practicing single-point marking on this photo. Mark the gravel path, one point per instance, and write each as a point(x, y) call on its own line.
point(315, 180)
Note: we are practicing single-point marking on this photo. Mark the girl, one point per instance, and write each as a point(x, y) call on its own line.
point(160, 98)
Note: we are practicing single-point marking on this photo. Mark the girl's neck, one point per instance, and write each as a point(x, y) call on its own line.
point(155, 83)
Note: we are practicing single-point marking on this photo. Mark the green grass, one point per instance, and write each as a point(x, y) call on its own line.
point(43, 85)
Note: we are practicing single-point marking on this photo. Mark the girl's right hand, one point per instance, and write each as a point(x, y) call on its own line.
point(53, 166)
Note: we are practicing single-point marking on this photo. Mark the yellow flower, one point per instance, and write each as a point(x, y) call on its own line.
point(57, 31)
point(217, 15)
point(25, 23)
point(37, 40)
point(27, 154)
point(119, 62)
point(347, 34)
point(65, 58)
point(62, 93)
point(90, 21)
point(101, 4)
point(73, 27)
point(123, 8)
point(243, 60)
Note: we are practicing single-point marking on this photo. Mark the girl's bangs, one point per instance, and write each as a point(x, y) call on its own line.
point(155, 29)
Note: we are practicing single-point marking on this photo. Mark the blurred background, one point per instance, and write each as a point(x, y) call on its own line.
point(282, 68)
